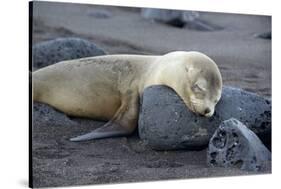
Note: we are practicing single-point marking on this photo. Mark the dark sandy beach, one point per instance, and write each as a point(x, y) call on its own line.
point(244, 61)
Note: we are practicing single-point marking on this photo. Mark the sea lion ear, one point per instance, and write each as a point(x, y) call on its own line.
point(196, 88)
point(188, 69)
point(201, 85)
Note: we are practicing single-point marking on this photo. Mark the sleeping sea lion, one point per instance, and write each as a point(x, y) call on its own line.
point(108, 87)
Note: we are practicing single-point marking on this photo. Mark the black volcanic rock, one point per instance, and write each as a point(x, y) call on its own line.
point(179, 18)
point(166, 123)
point(53, 51)
point(234, 145)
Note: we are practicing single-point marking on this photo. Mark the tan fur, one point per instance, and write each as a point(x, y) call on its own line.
point(108, 87)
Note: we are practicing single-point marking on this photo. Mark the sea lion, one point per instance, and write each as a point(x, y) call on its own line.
point(108, 87)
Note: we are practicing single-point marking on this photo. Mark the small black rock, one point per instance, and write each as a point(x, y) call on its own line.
point(43, 114)
point(265, 35)
point(53, 51)
point(179, 18)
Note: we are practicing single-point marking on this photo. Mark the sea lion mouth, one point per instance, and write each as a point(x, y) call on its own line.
point(204, 115)
point(209, 114)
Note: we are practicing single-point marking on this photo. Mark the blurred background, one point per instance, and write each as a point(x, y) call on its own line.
point(239, 44)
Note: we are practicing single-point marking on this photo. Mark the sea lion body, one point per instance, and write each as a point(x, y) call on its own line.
point(108, 87)
point(94, 85)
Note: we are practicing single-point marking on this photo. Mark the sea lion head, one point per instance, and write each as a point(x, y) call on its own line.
point(201, 86)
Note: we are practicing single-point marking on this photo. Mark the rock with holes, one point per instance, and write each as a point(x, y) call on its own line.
point(234, 145)
point(53, 51)
point(166, 123)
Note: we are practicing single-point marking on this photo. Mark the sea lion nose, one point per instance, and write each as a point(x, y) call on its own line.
point(207, 110)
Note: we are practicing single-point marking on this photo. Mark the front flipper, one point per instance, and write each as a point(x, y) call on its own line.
point(123, 123)
point(110, 129)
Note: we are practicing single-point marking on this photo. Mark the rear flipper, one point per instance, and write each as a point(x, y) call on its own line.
point(110, 129)
point(123, 123)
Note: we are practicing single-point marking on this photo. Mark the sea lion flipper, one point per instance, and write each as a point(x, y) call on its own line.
point(110, 129)
point(123, 123)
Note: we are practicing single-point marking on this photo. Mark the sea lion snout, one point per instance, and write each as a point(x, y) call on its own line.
point(207, 110)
